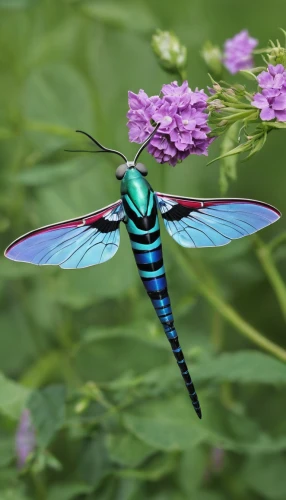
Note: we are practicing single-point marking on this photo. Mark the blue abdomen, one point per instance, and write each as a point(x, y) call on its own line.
point(144, 233)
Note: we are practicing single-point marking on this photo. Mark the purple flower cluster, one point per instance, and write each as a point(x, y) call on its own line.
point(238, 52)
point(182, 114)
point(272, 99)
point(25, 438)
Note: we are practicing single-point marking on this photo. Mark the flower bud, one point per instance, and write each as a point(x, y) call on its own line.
point(25, 438)
point(81, 406)
point(277, 56)
point(212, 56)
point(171, 54)
point(215, 105)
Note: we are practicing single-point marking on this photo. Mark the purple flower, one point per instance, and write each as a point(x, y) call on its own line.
point(182, 114)
point(272, 99)
point(25, 438)
point(238, 52)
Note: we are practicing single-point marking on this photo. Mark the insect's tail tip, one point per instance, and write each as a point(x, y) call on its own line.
point(199, 413)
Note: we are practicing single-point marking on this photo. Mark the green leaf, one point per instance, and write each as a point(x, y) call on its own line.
point(48, 412)
point(127, 450)
point(257, 145)
point(7, 449)
point(248, 74)
point(93, 461)
point(68, 491)
point(44, 369)
point(242, 148)
point(108, 355)
point(265, 475)
point(167, 425)
point(16, 331)
point(274, 124)
point(129, 16)
point(158, 467)
point(248, 367)
point(13, 397)
point(195, 460)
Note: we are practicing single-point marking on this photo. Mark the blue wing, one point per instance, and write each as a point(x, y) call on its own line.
point(73, 244)
point(197, 223)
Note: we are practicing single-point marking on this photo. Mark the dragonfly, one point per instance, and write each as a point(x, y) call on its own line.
point(94, 238)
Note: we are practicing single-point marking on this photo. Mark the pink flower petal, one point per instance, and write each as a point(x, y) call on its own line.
point(281, 115)
point(260, 101)
point(265, 80)
point(267, 114)
point(279, 103)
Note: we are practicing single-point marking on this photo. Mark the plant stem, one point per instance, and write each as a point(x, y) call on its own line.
point(217, 331)
point(182, 76)
point(227, 312)
point(272, 245)
point(264, 255)
point(39, 485)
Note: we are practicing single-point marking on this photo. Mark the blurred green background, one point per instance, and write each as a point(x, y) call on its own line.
point(83, 349)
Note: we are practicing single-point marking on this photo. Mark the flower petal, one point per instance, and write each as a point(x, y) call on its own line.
point(281, 115)
point(267, 114)
point(279, 102)
point(265, 80)
point(260, 101)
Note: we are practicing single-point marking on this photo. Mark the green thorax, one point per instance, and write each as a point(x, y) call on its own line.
point(135, 187)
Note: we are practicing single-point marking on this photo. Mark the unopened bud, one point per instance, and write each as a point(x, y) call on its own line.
point(25, 438)
point(171, 54)
point(81, 406)
point(216, 104)
point(212, 56)
point(217, 87)
point(277, 56)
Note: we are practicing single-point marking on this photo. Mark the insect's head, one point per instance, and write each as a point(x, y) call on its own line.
point(122, 169)
point(127, 165)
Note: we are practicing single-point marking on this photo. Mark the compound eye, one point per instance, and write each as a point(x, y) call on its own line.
point(142, 169)
point(120, 171)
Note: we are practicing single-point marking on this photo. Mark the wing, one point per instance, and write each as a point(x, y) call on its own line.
point(197, 223)
point(72, 244)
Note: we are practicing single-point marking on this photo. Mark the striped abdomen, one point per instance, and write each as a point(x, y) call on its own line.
point(144, 233)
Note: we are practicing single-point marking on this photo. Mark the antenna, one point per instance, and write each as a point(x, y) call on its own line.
point(145, 143)
point(103, 148)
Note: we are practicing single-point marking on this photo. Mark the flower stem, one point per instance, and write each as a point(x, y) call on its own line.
point(39, 485)
point(227, 312)
point(278, 240)
point(182, 75)
point(264, 255)
point(217, 332)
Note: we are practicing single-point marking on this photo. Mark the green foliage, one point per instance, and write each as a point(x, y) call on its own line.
point(47, 409)
point(83, 350)
point(228, 163)
point(13, 398)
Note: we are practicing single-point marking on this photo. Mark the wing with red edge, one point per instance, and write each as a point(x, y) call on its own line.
point(76, 243)
point(197, 223)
